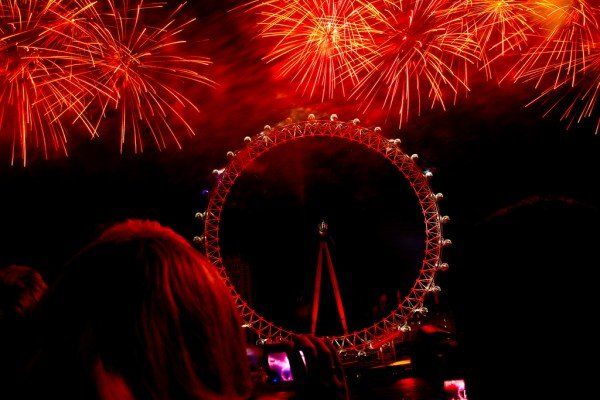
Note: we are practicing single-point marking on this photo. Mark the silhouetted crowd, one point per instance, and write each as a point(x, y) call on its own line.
point(137, 314)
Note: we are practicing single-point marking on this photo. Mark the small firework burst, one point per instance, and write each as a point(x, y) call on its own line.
point(568, 32)
point(500, 26)
point(323, 46)
point(575, 101)
point(565, 65)
point(146, 68)
point(36, 87)
point(422, 58)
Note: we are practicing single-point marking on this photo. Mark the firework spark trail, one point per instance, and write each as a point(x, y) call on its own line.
point(61, 57)
point(322, 45)
point(565, 65)
point(575, 100)
point(568, 30)
point(424, 52)
point(35, 88)
point(501, 27)
point(144, 66)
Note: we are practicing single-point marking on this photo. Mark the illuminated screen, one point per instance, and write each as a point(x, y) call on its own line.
point(455, 389)
point(279, 364)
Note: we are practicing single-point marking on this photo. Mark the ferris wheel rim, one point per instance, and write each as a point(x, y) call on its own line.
point(371, 139)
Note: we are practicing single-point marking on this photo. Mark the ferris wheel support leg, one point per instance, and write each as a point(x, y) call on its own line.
point(317, 291)
point(336, 291)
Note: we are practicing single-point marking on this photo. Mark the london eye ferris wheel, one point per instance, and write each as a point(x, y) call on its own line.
point(371, 139)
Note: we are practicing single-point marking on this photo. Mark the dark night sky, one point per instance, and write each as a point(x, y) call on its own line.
point(521, 192)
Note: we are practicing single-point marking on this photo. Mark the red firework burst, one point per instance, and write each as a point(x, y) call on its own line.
point(568, 30)
point(144, 65)
point(500, 26)
point(575, 100)
point(36, 61)
point(423, 53)
point(322, 45)
point(565, 65)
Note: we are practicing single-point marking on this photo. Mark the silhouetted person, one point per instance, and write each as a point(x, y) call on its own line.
point(21, 288)
point(139, 314)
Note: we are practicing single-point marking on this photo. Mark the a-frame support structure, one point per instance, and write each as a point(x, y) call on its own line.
point(325, 255)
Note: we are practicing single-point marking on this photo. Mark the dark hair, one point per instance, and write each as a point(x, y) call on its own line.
point(21, 288)
point(153, 311)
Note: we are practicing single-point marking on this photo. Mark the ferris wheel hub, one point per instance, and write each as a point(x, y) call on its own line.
point(323, 228)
